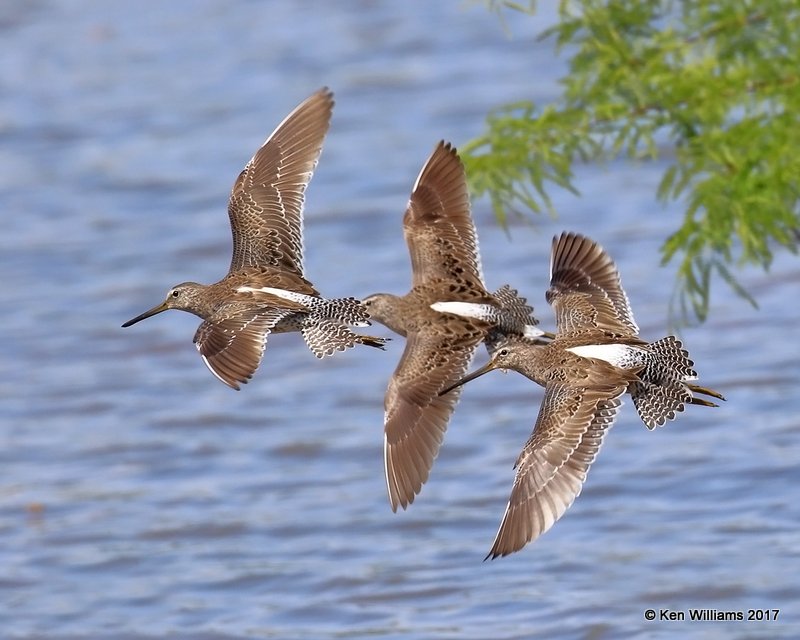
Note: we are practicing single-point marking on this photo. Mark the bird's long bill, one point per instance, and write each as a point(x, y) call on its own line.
point(489, 366)
point(157, 309)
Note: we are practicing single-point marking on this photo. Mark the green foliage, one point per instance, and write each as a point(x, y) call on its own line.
point(711, 86)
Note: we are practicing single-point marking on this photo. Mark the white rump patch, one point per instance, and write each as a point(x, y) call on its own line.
point(532, 332)
point(618, 355)
point(293, 296)
point(466, 309)
point(480, 311)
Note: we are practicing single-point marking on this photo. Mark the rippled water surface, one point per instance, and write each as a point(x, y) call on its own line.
point(141, 498)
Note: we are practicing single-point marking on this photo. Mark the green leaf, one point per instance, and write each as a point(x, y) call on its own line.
point(714, 86)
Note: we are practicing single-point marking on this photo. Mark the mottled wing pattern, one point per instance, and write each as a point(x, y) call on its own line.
point(585, 290)
point(266, 203)
point(554, 462)
point(416, 416)
point(443, 245)
point(232, 346)
point(438, 225)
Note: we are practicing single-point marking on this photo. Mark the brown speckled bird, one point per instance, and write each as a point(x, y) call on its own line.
point(595, 358)
point(265, 290)
point(444, 318)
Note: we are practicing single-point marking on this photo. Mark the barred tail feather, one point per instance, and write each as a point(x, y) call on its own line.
point(325, 336)
point(672, 359)
point(348, 311)
point(516, 315)
point(515, 306)
point(326, 329)
point(656, 403)
point(664, 387)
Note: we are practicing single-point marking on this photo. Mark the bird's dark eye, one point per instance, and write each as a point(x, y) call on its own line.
point(175, 293)
point(503, 352)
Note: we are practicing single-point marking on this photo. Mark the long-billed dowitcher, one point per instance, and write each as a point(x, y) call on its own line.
point(265, 290)
point(446, 280)
point(594, 359)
